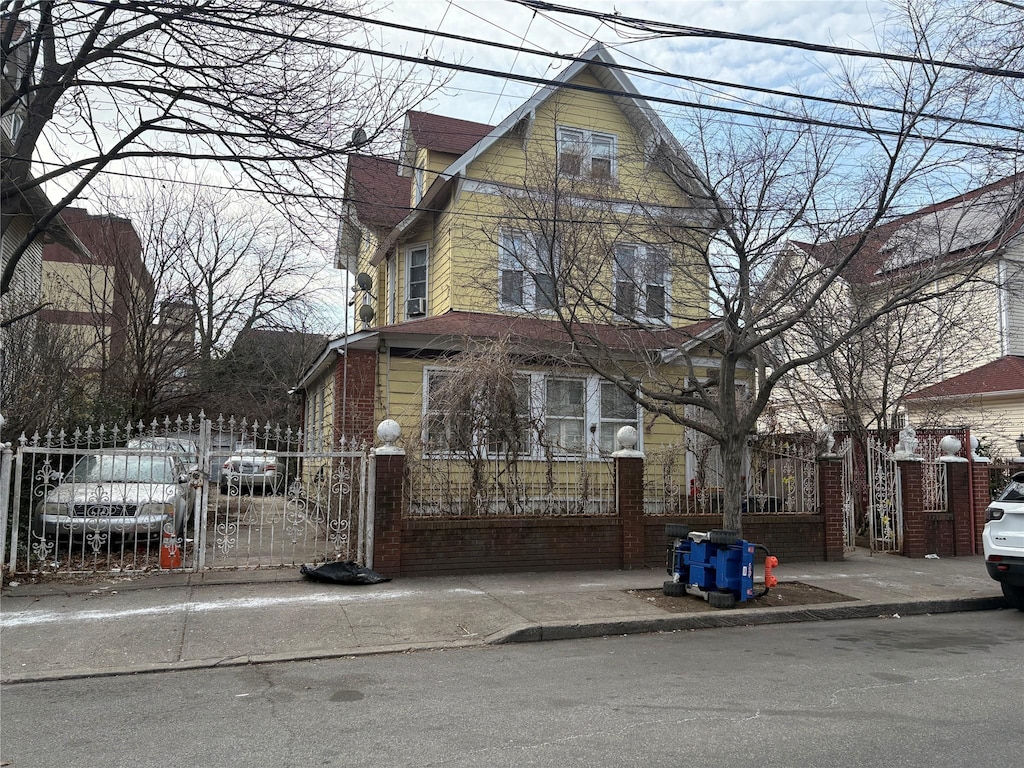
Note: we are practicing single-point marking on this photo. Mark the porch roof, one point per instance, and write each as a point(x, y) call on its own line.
point(449, 330)
point(1005, 375)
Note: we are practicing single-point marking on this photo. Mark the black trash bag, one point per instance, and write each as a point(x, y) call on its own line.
point(343, 572)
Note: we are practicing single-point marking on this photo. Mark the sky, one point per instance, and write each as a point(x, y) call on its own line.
point(489, 99)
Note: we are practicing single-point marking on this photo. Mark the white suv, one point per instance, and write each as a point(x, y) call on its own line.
point(1003, 539)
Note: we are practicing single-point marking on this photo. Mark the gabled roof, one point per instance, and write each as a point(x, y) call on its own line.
point(983, 219)
point(658, 140)
point(1005, 375)
point(442, 134)
point(379, 195)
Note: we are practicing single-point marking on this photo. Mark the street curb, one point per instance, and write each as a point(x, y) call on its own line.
point(234, 661)
point(528, 633)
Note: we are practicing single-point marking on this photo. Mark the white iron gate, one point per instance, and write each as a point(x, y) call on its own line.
point(846, 454)
point(192, 493)
point(885, 509)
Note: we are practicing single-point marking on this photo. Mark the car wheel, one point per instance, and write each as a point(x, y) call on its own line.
point(673, 589)
point(721, 599)
point(722, 536)
point(1014, 595)
point(677, 531)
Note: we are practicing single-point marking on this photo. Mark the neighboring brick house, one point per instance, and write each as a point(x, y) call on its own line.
point(99, 298)
point(445, 265)
point(946, 361)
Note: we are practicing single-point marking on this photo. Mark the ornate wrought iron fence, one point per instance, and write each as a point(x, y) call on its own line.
point(186, 493)
point(453, 486)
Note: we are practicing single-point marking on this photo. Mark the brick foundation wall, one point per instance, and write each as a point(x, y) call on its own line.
point(445, 547)
point(791, 538)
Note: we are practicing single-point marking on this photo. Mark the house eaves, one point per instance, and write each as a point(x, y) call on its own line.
point(659, 140)
point(334, 349)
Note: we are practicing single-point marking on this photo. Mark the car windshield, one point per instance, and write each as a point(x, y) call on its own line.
point(1013, 492)
point(122, 468)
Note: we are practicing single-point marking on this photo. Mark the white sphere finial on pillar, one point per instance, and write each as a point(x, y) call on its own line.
point(950, 446)
point(388, 431)
point(626, 439)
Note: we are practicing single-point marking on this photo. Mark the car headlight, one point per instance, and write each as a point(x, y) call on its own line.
point(156, 508)
point(993, 513)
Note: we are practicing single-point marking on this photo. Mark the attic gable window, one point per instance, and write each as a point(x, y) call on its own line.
point(526, 272)
point(641, 282)
point(586, 153)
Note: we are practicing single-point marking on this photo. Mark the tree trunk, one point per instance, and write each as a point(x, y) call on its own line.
point(733, 489)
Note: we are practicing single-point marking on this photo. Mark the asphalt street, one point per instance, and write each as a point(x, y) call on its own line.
point(938, 691)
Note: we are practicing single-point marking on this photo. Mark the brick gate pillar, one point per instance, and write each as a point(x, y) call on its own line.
point(629, 497)
point(915, 527)
point(981, 490)
point(389, 501)
point(830, 494)
point(959, 505)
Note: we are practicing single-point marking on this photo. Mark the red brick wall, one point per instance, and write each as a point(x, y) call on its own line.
point(355, 388)
point(791, 538)
point(629, 499)
point(916, 527)
point(830, 493)
point(387, 519)
point(437, 547)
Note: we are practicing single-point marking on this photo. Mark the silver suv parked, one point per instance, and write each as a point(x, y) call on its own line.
point(1003, 540)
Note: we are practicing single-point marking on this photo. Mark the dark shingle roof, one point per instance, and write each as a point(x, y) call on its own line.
point(1003, 375)
point(379, 194)
point(526, 329)
point(445, 134)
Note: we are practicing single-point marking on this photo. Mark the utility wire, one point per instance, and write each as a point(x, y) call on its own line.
point(430, 62)
point(665, 28)
point(649, 70)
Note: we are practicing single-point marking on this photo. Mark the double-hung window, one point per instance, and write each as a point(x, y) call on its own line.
point(527, 271)
point(641, 282)
point(416, 259)
point(565, 410)
point(535, 415)
point(618, 410)
point(586, 154)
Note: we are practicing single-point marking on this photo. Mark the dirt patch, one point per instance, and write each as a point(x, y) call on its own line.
point(786, 595)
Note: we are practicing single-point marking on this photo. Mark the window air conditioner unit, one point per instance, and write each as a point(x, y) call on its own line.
point(415, 307)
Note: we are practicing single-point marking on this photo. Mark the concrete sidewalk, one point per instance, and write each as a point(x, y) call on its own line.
point(186, 621)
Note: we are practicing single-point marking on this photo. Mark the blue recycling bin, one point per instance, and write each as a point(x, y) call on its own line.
point(716, 565)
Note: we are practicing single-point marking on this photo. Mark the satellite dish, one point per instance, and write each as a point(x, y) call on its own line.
point(364, 282)
point(366, 313)
point(358, 137)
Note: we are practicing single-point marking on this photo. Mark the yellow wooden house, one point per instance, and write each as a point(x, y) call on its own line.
point(515, 283)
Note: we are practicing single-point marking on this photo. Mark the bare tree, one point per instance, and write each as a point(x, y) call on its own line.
point(274, 92)
point(828, 180)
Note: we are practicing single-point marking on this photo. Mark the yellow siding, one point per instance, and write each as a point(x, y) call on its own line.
point(464, 239)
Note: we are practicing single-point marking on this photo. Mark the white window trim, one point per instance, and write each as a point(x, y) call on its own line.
point(641, 290)
point(586, 160)
point(592, 417)
point(533, 265)
point(409, 249)
point(419, 180)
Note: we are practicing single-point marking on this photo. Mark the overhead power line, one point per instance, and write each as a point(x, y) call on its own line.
point(520, 48)
point(206, 20)
point(666, 28)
